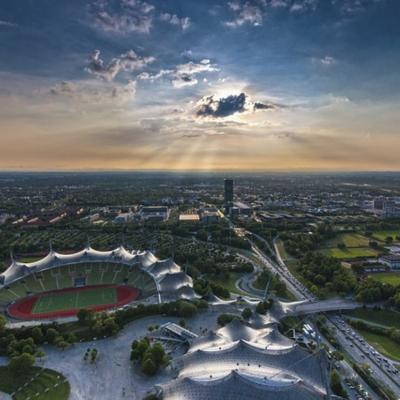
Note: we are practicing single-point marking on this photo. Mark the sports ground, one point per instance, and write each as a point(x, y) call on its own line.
point(67, 302)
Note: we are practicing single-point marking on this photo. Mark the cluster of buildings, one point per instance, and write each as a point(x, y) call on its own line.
point(386, 207)
point(144, 214)
point(43, 217)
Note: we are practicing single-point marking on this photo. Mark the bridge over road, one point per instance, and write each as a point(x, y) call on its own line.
point(307, 307)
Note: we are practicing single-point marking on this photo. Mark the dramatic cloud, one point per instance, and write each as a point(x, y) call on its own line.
point(173, 19)
point(128, 61)
point(183, 74)
point(122, 16)
point(214, 107)
point(246, 13)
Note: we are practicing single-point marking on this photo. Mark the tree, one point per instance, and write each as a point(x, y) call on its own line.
point(336, 384)
point(51, 335)
point(224, 319)
point(93, 356)
point(21, 364)
point(246, 313)
point(149, 367)
point(85, 316)
point(158, 353)
point(260, 308)
point(187, 309)
point(37, 334)
point(3, 322)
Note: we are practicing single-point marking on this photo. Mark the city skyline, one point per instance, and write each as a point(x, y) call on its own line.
point(212, 85)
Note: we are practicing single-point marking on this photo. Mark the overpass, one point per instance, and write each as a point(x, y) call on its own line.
point(307, 307)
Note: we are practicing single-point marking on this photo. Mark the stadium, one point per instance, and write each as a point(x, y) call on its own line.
point(58, 285)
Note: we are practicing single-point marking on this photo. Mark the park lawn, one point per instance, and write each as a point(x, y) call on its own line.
point(230, 283)
point(381, 317)
point(393, 278)
point(352, 252)
point(382, 235)
point(383, 344)
point(349, 239)
point(46, 380)
point(75, 299)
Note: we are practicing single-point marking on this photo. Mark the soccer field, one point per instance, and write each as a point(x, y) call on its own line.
point(75, 299)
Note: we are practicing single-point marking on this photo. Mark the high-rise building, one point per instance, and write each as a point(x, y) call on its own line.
point(228, 186)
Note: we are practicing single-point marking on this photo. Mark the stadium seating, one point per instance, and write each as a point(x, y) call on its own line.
point(64, 277)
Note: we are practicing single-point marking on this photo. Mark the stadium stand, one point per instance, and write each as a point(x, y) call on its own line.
point(89, 267)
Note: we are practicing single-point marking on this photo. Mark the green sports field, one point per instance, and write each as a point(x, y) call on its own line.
point(87, 298)
point(393, 278)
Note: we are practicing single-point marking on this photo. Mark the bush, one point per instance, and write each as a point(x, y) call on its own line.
point(151, 358)
point(20, 365)
point(263, 306)
point(225, 319)
point(246, 313)
point(186, 309)
point(336, 385)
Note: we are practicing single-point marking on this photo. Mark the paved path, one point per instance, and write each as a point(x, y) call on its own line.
point(113, 369)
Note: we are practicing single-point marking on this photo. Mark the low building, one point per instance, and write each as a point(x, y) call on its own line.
point(391, 260)
point(210, 215)
point(154, 213)
point(244, 209)
point(123, 218)
point(189, 218)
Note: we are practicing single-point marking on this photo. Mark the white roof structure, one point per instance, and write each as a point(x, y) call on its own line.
point(169, 278)
point(240, 362)
point(237, 385)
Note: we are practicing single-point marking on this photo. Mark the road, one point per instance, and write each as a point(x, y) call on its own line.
point(378, 370)
point(363, 353)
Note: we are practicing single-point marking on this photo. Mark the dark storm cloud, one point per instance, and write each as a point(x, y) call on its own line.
point(211, 106)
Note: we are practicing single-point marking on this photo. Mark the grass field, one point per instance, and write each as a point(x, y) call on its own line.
point(352, 252)
point(75, 299)
point(46, 380)
point(383, 344)
point(349, 239)
point(382, 235)
point(392, 278)
point(230, 283)
point(380, 317)
point(356, 246)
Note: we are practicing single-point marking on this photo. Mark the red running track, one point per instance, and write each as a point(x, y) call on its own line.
point(22, 309)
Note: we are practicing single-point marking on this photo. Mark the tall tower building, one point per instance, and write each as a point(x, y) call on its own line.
point(228, 186)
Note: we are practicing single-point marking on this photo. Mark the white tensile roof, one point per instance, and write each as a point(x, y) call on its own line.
point(170, 280)
point(239, 362)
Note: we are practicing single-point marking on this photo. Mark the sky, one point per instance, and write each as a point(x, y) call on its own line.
point(247, 85)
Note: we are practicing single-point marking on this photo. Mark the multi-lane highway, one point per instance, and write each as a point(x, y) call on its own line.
point(382, 369)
